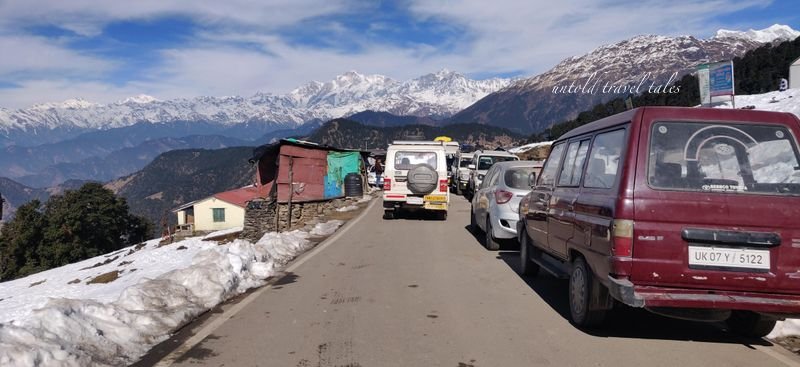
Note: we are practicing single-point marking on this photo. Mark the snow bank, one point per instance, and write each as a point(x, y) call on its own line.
point(84, 331)
point(786, 101)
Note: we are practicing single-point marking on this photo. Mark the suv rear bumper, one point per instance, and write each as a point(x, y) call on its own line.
point(649, 296)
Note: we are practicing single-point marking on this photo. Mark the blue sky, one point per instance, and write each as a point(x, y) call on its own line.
point(104, 51)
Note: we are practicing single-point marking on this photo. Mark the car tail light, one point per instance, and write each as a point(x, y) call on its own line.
point(387, 184)
point(502, 196)
point(623, 238)
point(443, 185)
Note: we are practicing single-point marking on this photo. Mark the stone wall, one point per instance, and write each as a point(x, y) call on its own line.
point(263, 215)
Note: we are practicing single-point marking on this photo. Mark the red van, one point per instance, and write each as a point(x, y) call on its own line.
point(688, 212)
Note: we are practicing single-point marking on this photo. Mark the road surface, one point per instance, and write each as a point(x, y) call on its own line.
point(421, 292)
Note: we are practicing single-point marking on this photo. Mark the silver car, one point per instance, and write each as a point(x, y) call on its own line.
point(495, 205)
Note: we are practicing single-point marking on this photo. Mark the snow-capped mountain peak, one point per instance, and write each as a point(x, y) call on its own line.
point(72, 104)
point(142, 98)
point(775, 32)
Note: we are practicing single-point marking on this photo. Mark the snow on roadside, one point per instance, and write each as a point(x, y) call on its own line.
point(347, 208)
point(55, 323)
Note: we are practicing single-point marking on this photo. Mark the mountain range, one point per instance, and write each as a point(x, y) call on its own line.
point(531, 105)
point(437, 95)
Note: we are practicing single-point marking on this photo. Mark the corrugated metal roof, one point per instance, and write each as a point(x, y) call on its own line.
point(238, 197)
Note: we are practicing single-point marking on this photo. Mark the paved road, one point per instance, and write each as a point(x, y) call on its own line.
point(413, 292)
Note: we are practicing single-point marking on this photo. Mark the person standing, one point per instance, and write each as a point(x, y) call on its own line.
point(378, 172)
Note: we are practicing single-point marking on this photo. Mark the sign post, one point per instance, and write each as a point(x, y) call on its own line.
point(716, 80)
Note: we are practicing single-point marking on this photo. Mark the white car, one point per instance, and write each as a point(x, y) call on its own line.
point(461, 172)
point(482, 161)
point(415, 178)
point(495, 205)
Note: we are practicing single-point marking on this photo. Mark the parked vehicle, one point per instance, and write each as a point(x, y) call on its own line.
point(415, 178)
point(495, 205)
point(461, 170)
point(482, 161)
point(687, 212)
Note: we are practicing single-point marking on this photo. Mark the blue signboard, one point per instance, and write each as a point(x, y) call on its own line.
point(720, 79)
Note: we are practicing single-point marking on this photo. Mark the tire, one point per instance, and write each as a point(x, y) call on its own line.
point(422, 179)
point(750, 324)
point(585, 292)
point(526, 266)
point(489, 242)
point(441, 215)
point(388, 214)
point(473, 223)
point(458, 189)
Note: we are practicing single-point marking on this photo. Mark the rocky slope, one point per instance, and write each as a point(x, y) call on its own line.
point(532, 104)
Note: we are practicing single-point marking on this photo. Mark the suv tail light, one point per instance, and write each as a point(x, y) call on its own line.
point(623, 238)
point(502, 196)
point(443, 185)
point(387, 184)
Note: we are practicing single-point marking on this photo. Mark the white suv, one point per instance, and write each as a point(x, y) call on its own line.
point(415, 178)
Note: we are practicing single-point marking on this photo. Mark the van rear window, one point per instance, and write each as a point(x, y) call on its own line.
point(714, 157)
point(407, 160)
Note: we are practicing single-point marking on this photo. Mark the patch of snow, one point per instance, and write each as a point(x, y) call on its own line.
point(223, 232)
point(326, 229)
point(527, 147)
point(347, 208)
point(61, 324)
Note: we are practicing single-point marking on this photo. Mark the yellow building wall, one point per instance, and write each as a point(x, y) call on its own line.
point(204, 216)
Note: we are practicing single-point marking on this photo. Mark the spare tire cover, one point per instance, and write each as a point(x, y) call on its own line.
point(422, 179)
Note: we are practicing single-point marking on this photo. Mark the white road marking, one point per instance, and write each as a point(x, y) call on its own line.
point(226, 315)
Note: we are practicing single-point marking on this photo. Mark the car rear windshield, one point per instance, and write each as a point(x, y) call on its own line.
point(407, 160)
point(486, 161)
point(518, 177)
point(718, 157)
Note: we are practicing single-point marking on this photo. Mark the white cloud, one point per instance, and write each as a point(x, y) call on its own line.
point(88, 16)
point(497, 37)
point(28, 54)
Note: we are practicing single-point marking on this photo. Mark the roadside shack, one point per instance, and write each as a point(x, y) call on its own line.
point(297, 181)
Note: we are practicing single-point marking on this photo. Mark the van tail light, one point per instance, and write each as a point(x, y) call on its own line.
point(623, 238)
point(443, 185)
point(387, 184)
point(502, 196)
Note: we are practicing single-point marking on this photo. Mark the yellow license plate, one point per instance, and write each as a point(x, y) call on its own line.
point(436, 206)
point(441, 198)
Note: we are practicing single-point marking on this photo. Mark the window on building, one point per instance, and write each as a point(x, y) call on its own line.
point(219, 214)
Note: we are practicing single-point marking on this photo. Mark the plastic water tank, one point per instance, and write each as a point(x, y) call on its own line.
point(353, 186)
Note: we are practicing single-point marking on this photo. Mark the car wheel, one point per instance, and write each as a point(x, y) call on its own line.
point(388, 214)
point(442, 215)
point(750, 324)
point(526, 266)
point(473, 223)
point(458, 189)
point(490, 243)
point(583, 287)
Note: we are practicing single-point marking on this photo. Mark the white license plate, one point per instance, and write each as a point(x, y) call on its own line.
point(414, 200)
point(726, 257)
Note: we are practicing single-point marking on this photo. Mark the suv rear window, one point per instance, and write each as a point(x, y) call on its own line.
point(486, 161)
point(465, 162)
point(407, 160)
point(713, 157)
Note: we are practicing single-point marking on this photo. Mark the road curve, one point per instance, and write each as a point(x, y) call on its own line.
point(421, 292)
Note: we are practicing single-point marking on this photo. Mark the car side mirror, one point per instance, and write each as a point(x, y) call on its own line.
point(532, 179)
point(471, 166)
